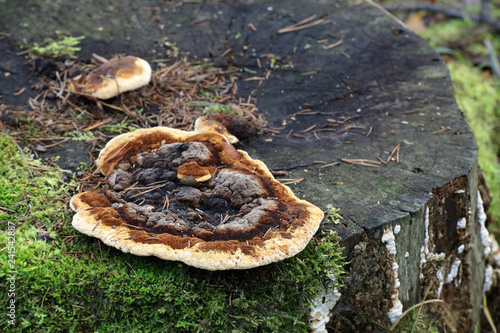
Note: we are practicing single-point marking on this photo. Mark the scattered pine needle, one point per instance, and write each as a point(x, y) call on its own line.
point(96, 125)
point(133, 270)
point(131, 225)
point(225, 53)
point(443, 129)
point(291, 181)
point(130, 237)
point(309, 129)
point(351, 127)
point(255, 78)
point(309, 73)
point(19, 92)
point(166, 203)
point(364, 162)
point(370, 131)
point(331, 46)
point(381, 160)
point(413, 111)
point(9, 210)
point(304, 24)
point(329, 165)
point(57, 143)
point(251, 26)
point(396, 149)
point(149, 190)
point(304, 21)
point(43, 298)
point(173, 85)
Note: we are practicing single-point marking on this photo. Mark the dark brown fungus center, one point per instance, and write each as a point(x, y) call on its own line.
point(185, 189)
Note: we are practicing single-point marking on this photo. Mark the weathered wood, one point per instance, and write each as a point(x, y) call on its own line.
point(380, 88)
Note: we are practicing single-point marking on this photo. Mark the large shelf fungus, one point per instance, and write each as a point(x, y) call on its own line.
point(193, 197)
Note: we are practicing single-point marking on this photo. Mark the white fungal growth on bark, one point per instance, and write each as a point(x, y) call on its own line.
point(488, 278)
point(424, 250)
point(489, 244)
point(461, 223)
point(440, 276)
point(397, 307)
point(390, 240)
point(453, 270)
point(320, 311)
point(481, 217)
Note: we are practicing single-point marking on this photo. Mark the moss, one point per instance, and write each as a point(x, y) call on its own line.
point(30, 192)
point(62, 46)
point(213, 108)
point(461, 35)
point(416, 321)
point(479, 98)
point(74, 283)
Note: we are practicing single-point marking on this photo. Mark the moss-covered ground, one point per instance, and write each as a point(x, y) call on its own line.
point(479, 98)
point(63, 281)
point(477, 90)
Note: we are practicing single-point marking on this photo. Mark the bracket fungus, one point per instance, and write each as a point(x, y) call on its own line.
point(113, 77)
point(193, 197)
point(232, 127)
point(208, 124)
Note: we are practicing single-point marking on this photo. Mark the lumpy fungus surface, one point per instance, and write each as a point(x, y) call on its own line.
point(194, 198)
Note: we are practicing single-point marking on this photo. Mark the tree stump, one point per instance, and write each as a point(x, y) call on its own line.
point(363, 117)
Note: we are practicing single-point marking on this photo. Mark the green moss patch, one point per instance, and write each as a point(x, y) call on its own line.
point(30, 193)
point(62, 46)
point(74, 283)
point(479, 98)
point(461, 35)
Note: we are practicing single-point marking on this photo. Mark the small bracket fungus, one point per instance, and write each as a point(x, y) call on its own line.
point(208, 124)
point(193, 197)
point(230, 126)
point(113, 77)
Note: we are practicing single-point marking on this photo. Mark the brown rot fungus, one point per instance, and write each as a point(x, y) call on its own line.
point(113, 77)
point(194, 198)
